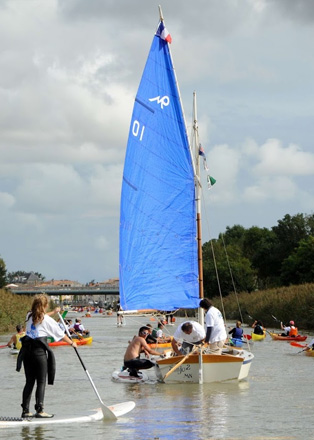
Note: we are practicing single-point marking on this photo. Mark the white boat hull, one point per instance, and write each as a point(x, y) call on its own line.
point(215, 368)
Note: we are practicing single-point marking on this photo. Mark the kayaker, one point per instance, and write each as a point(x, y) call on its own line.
point(310, 345)
point(158, 334)
point(289, 330)
point(215, 327)
point(188, 334)
point(15, 339)
point(150, 339)
point(138, 345)
point(237, 331)
point(79, 327)
point(36, 355)
point(258, 327)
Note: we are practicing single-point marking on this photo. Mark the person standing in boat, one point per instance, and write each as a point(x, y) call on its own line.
point(138, 345)
point(188, 334)
point(215, 327)
point(36, 355)
point(289, 330)
point(258, 327)
point(237, 331)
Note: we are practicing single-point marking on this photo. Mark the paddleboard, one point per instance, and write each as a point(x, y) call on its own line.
point(119, 410)
point(10, 422)
point(124, 377)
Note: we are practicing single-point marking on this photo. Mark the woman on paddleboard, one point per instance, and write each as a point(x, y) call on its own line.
point(36, 355)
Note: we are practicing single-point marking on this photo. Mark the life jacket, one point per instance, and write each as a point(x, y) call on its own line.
point(258, 330)
point(18, 344)
point(293, 331)
point(237, 333)
point(154, 332)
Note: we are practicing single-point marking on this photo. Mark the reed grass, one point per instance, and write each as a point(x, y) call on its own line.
point(285, 303)
point(13, 309)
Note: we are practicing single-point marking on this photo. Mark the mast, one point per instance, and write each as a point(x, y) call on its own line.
point(198, 190)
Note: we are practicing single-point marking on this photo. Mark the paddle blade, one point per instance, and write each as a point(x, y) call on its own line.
point(295, 344)
point(247, 336)
point(3, 346)
point(121, 408)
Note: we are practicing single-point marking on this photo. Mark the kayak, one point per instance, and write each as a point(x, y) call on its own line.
point(256, 337)
point(309, 353)
point(236, 342)
point(83, 341)
point(278, 337)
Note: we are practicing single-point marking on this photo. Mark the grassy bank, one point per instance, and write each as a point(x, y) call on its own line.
point(285, 303)
point(13, 309)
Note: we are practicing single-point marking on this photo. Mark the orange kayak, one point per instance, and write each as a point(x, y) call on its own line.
point(83, 341)
point(278, 337)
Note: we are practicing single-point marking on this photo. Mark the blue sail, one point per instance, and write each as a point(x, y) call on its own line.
point(158, 247)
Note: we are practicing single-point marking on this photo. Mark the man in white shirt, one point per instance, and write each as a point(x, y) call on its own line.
point(216, 334)
point(189, 333)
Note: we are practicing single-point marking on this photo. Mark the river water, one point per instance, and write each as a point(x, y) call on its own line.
point(276, 402)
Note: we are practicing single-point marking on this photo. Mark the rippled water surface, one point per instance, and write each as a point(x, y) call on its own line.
point(276, 402)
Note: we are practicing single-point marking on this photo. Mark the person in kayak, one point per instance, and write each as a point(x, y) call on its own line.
point(16, 339)
point(132, 361)
point(289, 330)
point(237, 331)
point(37, 356)
point(258, 327)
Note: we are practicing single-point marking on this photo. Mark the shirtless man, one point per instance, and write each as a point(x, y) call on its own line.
point(138, 345)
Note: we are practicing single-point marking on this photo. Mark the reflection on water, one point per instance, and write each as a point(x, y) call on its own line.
point(255, 409)
point(35, 433)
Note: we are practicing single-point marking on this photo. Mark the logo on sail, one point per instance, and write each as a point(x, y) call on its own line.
point(164, 101)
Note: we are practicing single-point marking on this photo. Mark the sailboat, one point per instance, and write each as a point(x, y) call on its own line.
point(160, 264)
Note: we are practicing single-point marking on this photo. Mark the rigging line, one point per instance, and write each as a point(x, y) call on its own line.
point(214, 257)
point(231, 275)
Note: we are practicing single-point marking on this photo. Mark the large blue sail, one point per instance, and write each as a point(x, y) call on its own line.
point(158, 247)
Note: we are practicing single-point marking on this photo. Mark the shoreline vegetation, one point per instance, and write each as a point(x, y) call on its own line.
point(285, 303)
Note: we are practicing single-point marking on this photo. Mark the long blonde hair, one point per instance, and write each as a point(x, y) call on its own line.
point(39, 305)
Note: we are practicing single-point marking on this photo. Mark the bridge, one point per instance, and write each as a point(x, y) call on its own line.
point(72, 291)
point(105, 295)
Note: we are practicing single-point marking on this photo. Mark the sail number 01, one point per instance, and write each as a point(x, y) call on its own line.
point(138, 130)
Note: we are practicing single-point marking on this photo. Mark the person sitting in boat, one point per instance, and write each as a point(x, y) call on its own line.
point(215, 327)
point(158, 334)
point(132, 361)
point(289, 330)
point(186, 336)
point(258, 327)
point(150, 339)
point(79, 327)
point(15, 339)
point(237, 331)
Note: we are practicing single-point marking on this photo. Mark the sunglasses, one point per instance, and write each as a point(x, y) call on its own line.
point(145, 333)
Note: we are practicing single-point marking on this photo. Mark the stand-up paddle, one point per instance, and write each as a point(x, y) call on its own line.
point(108, 412)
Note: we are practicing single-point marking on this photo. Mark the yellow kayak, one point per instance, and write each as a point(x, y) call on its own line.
point(256, 337)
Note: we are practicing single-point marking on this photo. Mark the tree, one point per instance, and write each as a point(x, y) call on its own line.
point(3, 274)
point(231, 266)
point(298, 268)
point(259, 246)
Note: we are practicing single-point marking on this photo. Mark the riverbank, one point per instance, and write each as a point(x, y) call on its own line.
point(285, 303)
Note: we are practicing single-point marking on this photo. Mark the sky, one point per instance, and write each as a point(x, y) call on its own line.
point(69, 72)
